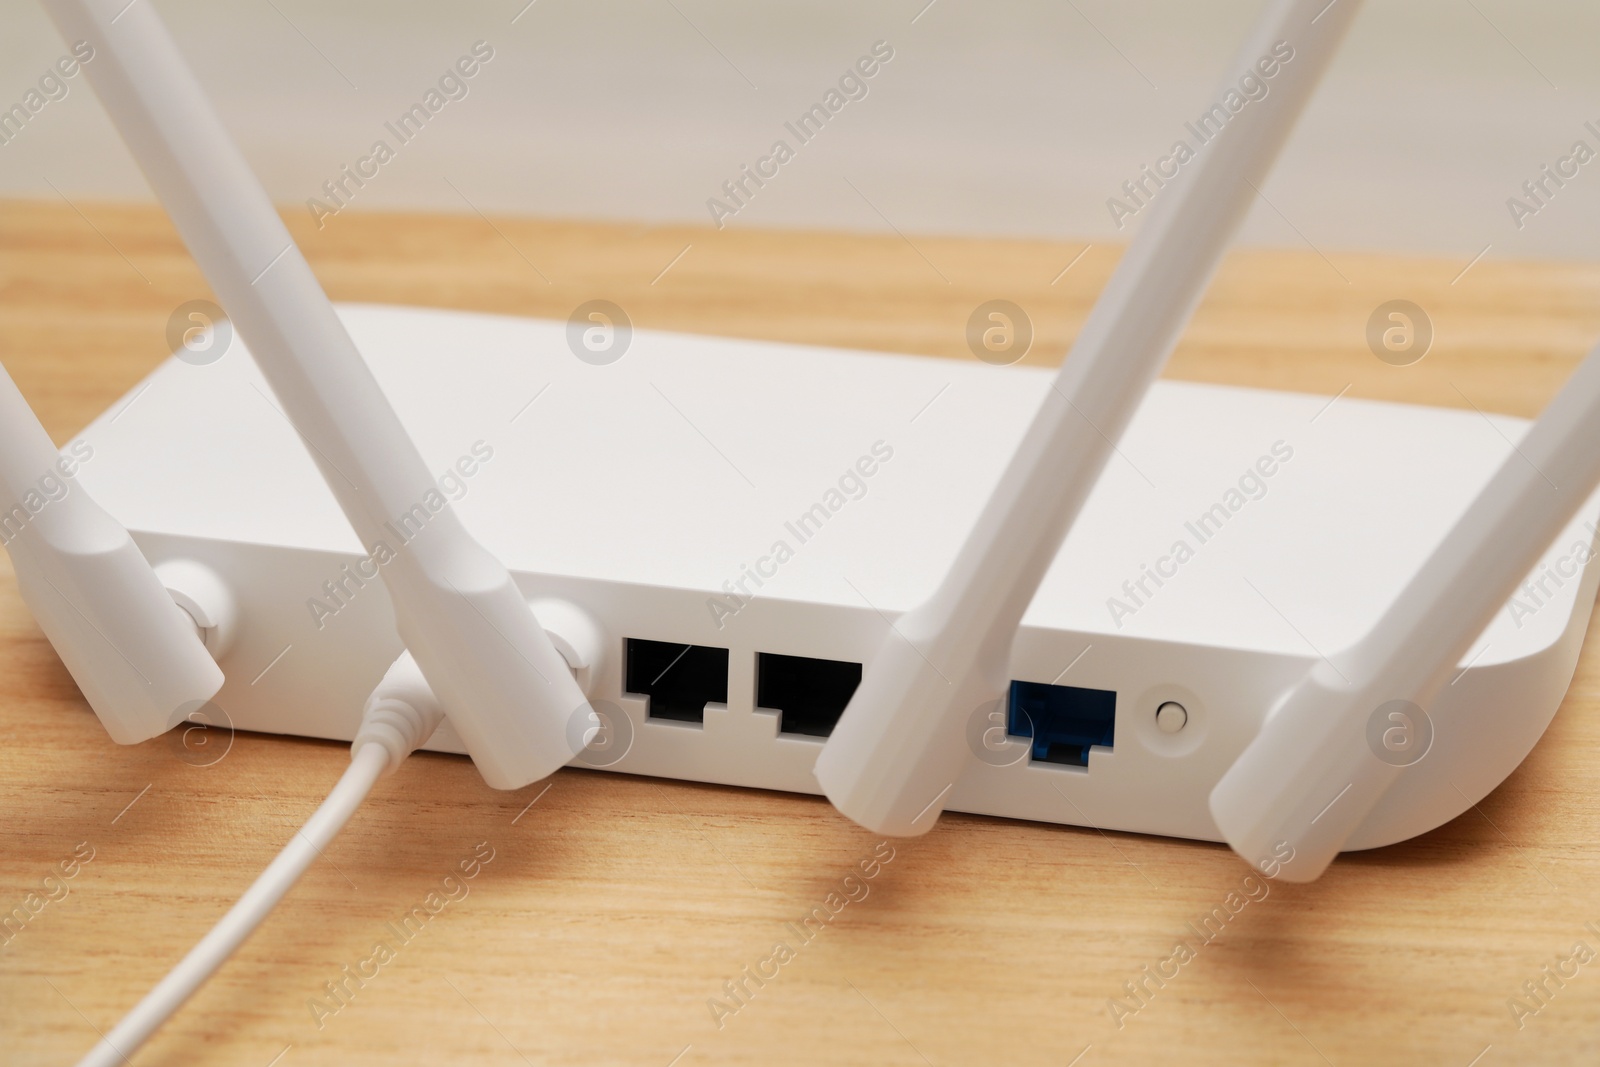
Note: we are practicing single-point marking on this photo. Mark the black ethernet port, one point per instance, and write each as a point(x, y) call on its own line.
point(1063, 721)
point(809, 695)
point(680, 680)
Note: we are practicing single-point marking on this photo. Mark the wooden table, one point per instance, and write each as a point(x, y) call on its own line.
point(615, 908)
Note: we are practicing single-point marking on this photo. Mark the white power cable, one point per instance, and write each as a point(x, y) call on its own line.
point(400, 714)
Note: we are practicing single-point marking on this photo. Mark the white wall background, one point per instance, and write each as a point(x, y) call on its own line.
point(1006, 118)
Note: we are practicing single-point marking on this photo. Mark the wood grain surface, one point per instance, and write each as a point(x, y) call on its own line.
point(616, 908)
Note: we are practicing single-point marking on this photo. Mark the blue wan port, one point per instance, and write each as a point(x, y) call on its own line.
point(1063, 721)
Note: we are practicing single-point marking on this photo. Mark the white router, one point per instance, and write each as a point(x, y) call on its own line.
point(731, 505)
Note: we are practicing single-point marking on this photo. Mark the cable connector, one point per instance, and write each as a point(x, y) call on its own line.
point(401, 714)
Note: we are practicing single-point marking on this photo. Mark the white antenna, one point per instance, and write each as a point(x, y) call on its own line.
point(508, 691)
point(135, 654)
point(1321, 763)
point(895, 754)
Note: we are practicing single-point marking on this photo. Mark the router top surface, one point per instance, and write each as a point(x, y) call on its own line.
point(1270, 521)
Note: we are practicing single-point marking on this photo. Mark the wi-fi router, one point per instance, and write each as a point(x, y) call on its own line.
point(740, 522)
